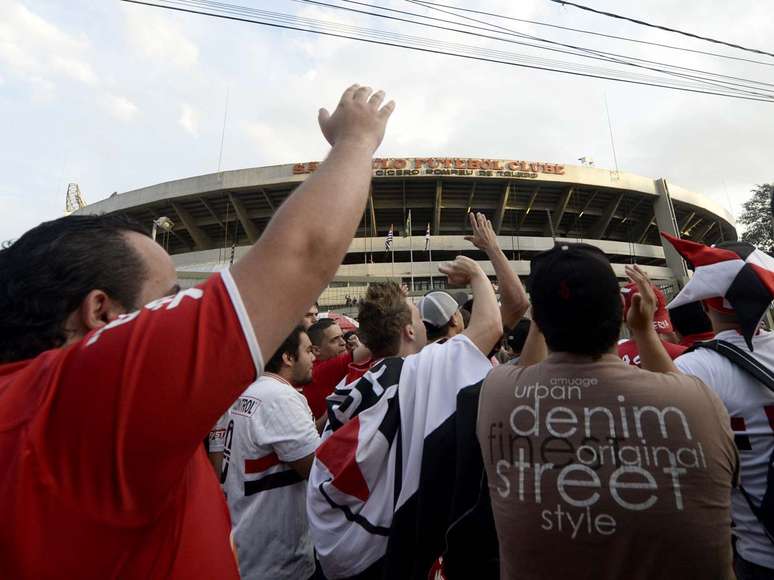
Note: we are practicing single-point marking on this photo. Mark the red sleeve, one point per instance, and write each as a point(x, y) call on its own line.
point(325, 376)
point(137, 397)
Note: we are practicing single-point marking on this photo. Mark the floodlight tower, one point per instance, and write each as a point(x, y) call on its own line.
point(74, 200)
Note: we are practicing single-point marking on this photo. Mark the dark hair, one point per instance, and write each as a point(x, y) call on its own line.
point(382, 314)
point(517, 337)
point(316, 332)
point(436, 332)
point(48, 272)
point(576, 299)
point(690, 319)
point(289, 346)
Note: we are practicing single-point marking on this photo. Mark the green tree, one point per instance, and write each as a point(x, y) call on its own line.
point(757, 218)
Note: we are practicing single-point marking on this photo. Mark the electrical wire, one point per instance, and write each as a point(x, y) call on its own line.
point(385, 38)
point(427, 4)
point(601, 55)
point(575, 50)
point(423, 41)
point(587, 53)
point(591, 32)
point(658, 26)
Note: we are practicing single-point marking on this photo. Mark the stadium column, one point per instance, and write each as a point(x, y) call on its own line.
point(667, 222)
point(198, 235)
point(244, 219)
point(437, 207)
point(600, 227)
point(498, 221)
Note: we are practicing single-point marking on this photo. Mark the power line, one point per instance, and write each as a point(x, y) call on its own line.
point(593, 33)
point(601, 55)
point(289, 22)
point(583, 52)
point(666, 28)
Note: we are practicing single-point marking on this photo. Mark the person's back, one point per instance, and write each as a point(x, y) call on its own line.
point(750, 406)
point(597, 469)
point(735, 304)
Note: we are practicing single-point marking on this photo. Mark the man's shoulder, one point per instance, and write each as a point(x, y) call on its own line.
point(267, 389)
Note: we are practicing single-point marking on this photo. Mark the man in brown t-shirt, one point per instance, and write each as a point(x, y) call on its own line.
point(597, 469)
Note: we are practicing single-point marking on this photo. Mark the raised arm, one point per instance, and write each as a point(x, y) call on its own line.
point(303, 245)
point(513, 297)
point(486, 326)
point(653, 355)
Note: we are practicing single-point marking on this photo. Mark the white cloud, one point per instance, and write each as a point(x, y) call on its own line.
point(120, 107)
point(157, 36)
point(75, 69)
point(189, 119)
point(38, 51)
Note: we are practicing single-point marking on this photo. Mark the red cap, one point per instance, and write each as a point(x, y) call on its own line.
point(661, 322)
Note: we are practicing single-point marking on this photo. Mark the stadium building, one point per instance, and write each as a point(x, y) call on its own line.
point(425, 202)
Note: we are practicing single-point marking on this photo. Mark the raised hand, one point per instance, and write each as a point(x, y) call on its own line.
point(643, 304)
point(359, 118)
point(461, 270)
point(483, 237)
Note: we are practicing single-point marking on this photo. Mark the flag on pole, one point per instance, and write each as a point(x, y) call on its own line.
point(388, 241)
point(427, 237)
point(407, 229)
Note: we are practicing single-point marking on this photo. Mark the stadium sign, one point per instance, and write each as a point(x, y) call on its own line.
point(454, 166)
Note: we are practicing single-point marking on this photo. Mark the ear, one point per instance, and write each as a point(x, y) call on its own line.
point(96, 310)
point(409, 333)
point(287, 359)
point(316, 350)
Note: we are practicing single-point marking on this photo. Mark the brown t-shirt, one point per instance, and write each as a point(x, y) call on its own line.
point(598, 469)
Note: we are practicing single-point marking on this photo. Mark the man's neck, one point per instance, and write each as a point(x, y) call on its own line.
point(721, 326)
point(282, 374)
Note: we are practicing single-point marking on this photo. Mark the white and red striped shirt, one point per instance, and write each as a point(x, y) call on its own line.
point(268, 427)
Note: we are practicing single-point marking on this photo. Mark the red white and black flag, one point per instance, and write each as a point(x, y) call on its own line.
point(734, 276)
point(427, 237)
point(381, 489)
point(388, 240)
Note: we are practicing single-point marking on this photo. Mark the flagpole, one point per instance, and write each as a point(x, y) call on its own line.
point(411, 249)
point(430, 251)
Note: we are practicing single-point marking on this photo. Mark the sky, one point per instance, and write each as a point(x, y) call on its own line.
point(116, 96)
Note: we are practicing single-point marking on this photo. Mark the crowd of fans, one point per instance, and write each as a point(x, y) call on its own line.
point(461, 436)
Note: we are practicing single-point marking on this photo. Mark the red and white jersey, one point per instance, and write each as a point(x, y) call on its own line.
point(269, 426)
point(102, 467)
point(751, 408)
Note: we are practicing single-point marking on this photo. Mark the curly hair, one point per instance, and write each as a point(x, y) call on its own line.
point(382, 316)
point(289, 346)
point(48, 272)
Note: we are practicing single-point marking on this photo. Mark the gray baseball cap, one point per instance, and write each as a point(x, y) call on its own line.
point(437, 308)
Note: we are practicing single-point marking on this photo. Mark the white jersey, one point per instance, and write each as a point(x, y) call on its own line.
point(751, 408)
point(269, 426)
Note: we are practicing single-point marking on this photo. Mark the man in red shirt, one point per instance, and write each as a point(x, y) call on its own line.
point(331, 363)
point(103, 406)
point(691, 324)
point(627, 349)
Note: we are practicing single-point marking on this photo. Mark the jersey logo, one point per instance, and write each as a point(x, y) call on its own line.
point(245, 406)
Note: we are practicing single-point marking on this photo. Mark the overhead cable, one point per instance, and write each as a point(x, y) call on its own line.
point(660, 27)
point(385, 38)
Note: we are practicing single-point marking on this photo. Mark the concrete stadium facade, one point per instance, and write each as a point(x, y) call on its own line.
point(531, 204)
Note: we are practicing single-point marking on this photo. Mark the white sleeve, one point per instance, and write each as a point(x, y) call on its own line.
point(286, 424)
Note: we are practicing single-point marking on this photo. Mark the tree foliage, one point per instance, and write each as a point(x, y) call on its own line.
point(757, 218)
